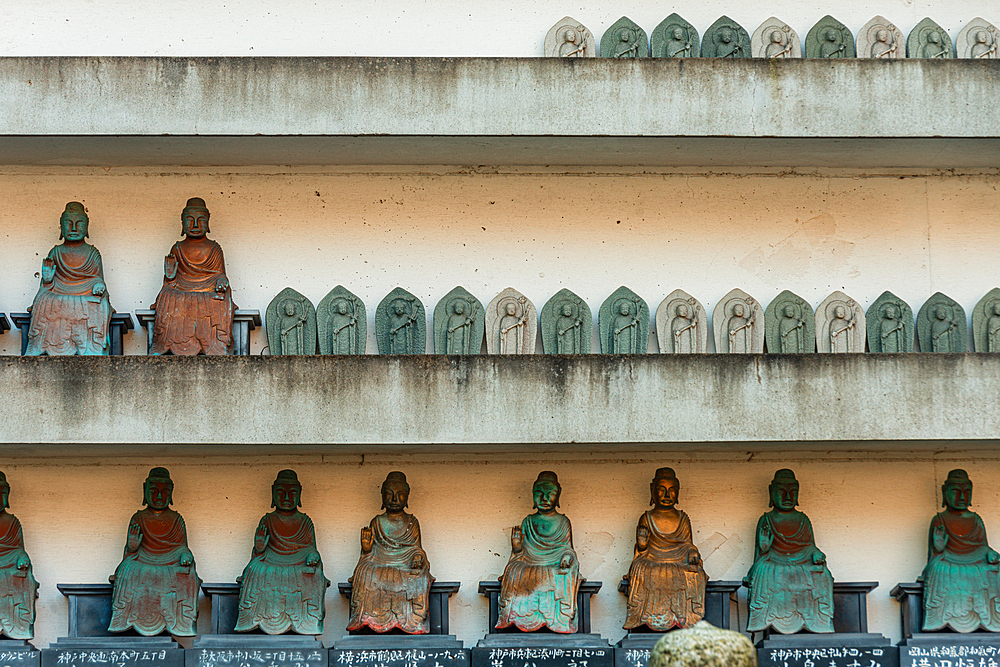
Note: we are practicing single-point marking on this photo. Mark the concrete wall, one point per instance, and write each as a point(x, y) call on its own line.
point(870, 515)
point(370, 229)
point(398, 27)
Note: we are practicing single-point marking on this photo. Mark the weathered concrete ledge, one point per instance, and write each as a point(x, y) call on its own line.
point(586, 97)
point(492, 400)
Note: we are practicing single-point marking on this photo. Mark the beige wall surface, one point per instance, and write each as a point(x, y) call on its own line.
point(537, 230)
point(870, 515)
point(399, 27)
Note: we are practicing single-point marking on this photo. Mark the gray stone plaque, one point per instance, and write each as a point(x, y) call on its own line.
point(262, 657)
point(682, 324)
point(775, 39)
point(111, 657)
point(400, 324)
point(978, 40)
point(929, 40)
point(830, 38)
point(567, 324)
point(400, 657)
point(790, 327)
point(880, 39)
point(949, 655)
point(624, 323)
point(543, 657)
point(342, 322)
point(890, 325)
point(290, 320)
point(941, 325)
point(843, 656)
point(840, 325)
point(986, 323)
point(624, 39)
point(459, 323)
point(511, 324)
point(674, 38)
point(725, 39)
point(738, 321)
point(570, 39)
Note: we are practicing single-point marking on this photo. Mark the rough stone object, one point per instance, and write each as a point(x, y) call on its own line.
point(511, 324)
point(703, 646)
point(682, 324)
point(775, 39)
point(567, 324)
point(890, 325)
point(282, 587)
point(790, 587)
point(840, 325)
point(738, 320)
point(674, 38)
point(400, 324)
point(392, 581)
point(880, 39)
point(725, 39)
point(459, 323)
point(789, 325)
point(941, 325)
point(538, 588)
point(829, 38)
point(290, 320)
point(71, 313)
point(960, 578)
point(156, 585)
point(624, 323)
point(986, 323)
point(929, 40)
point(666, 581)
point(978, 40)
point(569, 38)
point(18, 588)
point(624, 39)
point(194, 309)
point(342, 321)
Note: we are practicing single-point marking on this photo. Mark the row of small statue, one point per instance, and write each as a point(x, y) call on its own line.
point(282, 588)
point(829, 38)
point(194, 310)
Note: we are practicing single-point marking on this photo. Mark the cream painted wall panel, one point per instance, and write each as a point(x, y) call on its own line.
point(870, 517)
point(395, 27)
point(538, 232)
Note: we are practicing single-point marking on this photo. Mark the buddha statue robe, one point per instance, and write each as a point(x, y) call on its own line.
point(191, 316)
point(788, 590)
point(279, 590)
point(18, 587)
point(535, 592)
point(66, 316)
point(665, 589)
point(961, 585)
point(388, 591)
point(153, 592)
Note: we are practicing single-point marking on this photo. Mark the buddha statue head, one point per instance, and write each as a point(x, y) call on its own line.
point(784, 491)
point(4, 492)
point(545, 491)
point(664, 489)
point(158, 489)
point(286, 491)
point(956, 492)
point(395, 492)
point(74, 223)
point(194, 218)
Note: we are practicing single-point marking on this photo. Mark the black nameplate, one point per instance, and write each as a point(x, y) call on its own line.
point(98, 657)
point(399, 657)
point(543, 657)
point(9, 658)
point(631, 657)
point(950, 655)
point(249, 657)
point(842, 656)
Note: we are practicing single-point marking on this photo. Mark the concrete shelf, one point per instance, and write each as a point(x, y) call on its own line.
point(121, 111)
point(486, 403)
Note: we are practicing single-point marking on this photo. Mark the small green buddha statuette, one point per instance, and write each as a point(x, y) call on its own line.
point(18, 588)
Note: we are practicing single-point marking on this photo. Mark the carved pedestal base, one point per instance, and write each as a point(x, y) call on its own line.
point(244, 321)
point(437, 611)
point(941, 647)
point(718, 612)
point(120, 323)
point(491, 590)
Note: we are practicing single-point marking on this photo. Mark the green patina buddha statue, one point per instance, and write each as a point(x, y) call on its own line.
point(791, 588)
point(156, 586)
point(962, 576)
point(18, 588)
point(282, 587)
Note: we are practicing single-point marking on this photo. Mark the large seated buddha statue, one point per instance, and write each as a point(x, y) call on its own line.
point(962, 575)
point(666, 582)
point(392, 582)
point(194, 309)
point(71, 313)
point(18, 588)
point(156, 586)
point(283, 587)
point(539, 586)
point(791, 588)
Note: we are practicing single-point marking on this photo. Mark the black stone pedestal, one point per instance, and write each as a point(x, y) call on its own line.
point(941, 648)
point(399, 650)
point(847, 649)
point(491, 590)
point(437, 602)
point(256, 650)
point(18, 653)
point(120, 323)
point(542, 649)
point(117, 651)
point(244, 321)
point(718, 598)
